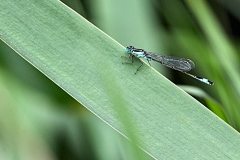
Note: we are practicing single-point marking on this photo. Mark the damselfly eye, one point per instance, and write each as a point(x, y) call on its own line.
point(129, 48)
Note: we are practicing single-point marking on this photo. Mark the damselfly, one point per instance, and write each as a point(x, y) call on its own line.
point(180, 64)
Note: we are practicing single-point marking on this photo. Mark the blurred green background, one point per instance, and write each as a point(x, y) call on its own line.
point(60, 128)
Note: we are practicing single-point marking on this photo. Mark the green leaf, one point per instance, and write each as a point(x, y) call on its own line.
point(213, 105)
point(85, 62)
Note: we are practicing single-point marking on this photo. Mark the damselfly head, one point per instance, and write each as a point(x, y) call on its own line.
point(129, 48)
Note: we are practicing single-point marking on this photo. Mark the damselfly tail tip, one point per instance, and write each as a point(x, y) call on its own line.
point(207, 81)
point(204, 80)
point(210, 82)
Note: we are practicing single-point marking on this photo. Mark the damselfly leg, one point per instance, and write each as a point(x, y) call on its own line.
point(132, 56)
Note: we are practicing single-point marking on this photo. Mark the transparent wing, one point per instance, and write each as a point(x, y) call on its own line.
point(181, 64)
